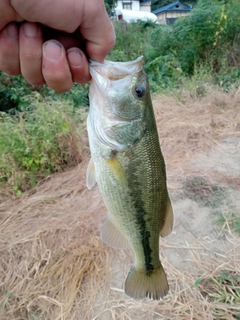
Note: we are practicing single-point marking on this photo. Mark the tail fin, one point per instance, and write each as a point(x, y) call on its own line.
point(139, 285)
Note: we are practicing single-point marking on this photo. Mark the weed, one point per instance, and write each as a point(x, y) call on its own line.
point(17, 95)
point(228, 219)
point(199, 190)
point(37, 143)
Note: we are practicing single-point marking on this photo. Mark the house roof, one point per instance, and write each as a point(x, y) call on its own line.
point(176, 6)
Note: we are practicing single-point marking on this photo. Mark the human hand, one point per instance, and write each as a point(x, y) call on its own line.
point(49, 41)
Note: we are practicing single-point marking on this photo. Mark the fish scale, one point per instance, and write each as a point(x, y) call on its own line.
point(129, 168)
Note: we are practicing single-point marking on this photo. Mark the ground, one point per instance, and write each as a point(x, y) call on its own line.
point(54, 265)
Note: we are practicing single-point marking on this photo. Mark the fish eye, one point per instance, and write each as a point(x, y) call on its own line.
point(139, 90)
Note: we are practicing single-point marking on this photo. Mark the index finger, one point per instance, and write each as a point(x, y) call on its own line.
point(97, 29)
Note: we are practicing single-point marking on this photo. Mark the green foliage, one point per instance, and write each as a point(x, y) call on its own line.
point(195, 36)
point(206, 42)
point(15, 94)
point(131, 39)
point(110, 6)
point(163, 72)
point(228, 78)
point(35, 143)
point(229, 220)
point(208, 36)
point(160, 42)
point(228, 288)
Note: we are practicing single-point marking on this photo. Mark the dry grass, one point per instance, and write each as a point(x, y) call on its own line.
point(54, 266)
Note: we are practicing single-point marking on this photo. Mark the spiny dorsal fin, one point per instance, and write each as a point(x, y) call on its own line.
point(111, 235)
point(91, 175)
point(168, 224)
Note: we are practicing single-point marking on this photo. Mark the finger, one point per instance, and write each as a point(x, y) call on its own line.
point(9, 50)
point(60, 15)
point(89, 16)
point(98, 30)
point(55, 68)
point(68, 40)
point(78, 65)
point(30, 44)
point(7, 14)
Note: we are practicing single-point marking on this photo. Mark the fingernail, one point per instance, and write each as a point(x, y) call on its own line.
point(30, 29)
point(12, 31)
point(74, 58)
point(52, 50)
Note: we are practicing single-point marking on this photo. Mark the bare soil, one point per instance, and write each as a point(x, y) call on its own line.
point(54, 266)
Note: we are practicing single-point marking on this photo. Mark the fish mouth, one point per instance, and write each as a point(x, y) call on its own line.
point(105, 74)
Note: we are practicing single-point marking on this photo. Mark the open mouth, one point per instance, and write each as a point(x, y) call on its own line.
point(114, 71)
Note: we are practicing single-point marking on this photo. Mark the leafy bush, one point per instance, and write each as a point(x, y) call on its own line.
point(35, 143)
point(228, 78)
point(191, 38)
point(207, 36)
point(131, 39)
point(160, 42)
point(163, 72)
point(15, 94)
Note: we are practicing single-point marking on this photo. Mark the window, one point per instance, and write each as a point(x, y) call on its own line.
point(127, 5)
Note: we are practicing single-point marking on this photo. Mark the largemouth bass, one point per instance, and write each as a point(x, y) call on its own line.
point(129, 168)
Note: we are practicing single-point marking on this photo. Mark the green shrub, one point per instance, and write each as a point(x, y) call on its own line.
point(35, 143)
point(163, 72)
point(15, 94)
point(131, 39)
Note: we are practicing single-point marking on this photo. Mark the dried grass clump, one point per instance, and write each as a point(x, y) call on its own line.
point(51, 256)
point(54, 266)
point(189, 124)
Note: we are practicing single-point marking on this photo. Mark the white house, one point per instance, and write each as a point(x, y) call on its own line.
point(134, 5)
point(134, 10)
point(131, 16)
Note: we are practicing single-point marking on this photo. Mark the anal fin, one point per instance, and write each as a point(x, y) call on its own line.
point(168, 224)
point(112, 236)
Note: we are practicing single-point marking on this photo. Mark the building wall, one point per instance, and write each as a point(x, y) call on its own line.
point(135, 5)
point(163, 16)
point(145, 7)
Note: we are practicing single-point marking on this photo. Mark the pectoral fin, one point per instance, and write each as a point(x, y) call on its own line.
point(168, 224)
point(111, 235)
point(117, 169)
point(90, 176)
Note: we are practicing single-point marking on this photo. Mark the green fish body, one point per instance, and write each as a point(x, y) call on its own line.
point(129, 168)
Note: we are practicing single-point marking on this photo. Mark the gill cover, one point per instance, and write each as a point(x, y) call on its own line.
point(116, 115)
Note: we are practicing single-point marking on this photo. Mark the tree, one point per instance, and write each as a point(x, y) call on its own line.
point(110, 6)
